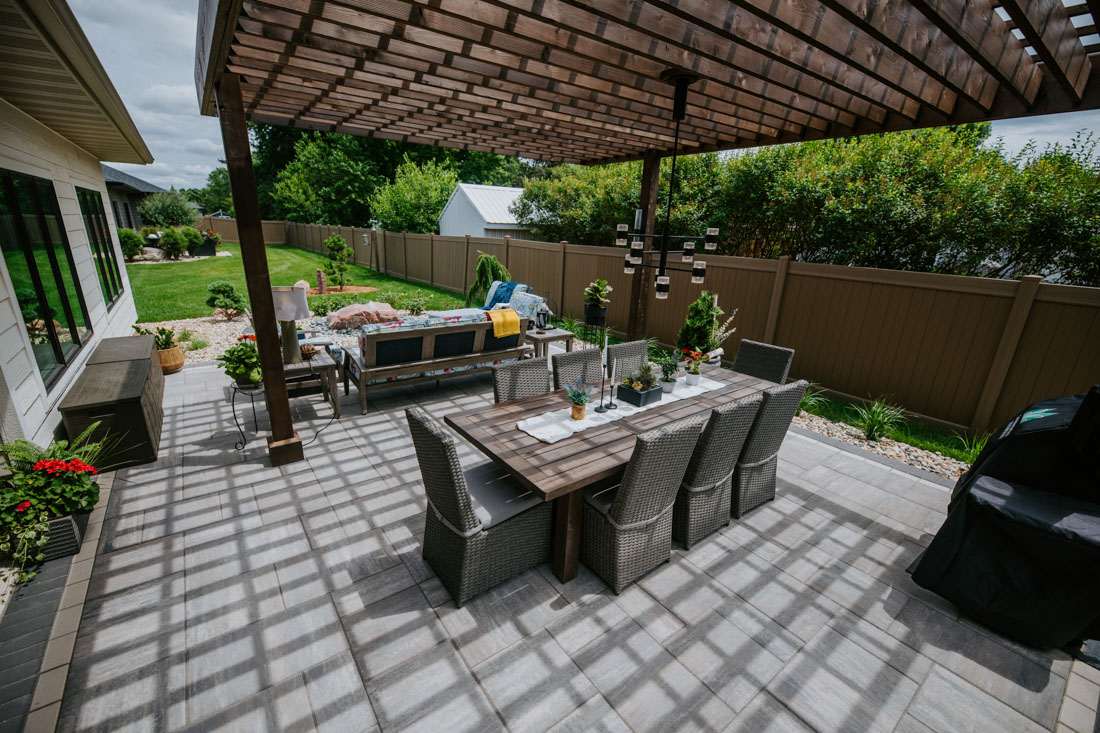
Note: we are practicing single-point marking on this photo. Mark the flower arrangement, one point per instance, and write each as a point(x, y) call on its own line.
point(693, 359)
point(209, 236)
point(639, 388)
point(578, 395)
point(242, 361)
point(43, 484)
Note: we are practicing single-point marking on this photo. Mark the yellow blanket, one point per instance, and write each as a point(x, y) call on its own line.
point(505, 322)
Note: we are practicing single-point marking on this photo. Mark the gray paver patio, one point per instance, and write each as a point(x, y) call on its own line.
point(227, 594)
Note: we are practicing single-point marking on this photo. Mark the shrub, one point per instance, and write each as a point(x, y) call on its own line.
point(813, 400)
point(879, 418)
point(225, 298)
point(167, 209)
point(488, 269)
point(414, 303)
point(337, 266)
point(146, 231)
point(198, 344)
point(132, 243)
point(700, 326)
point(192, 238)
point(173, 243)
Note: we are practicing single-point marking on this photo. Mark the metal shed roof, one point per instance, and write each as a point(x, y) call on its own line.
point(491, 202)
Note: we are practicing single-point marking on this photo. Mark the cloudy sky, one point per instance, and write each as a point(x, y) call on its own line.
point(148, 49)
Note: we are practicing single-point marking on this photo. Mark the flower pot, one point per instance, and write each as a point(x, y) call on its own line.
point(639, 398)
point(594, 315)
point(692, 379)
point(667, 386)
point(578, 412)
point(66, 534)
point(171, 359)
point(244, 382)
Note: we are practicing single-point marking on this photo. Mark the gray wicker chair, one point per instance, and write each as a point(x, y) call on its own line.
point(481, 527)
point(571, 366)
point(627, 528)
point(763, 361)
point(523, 378)
point(754, 479)
point(703, 503)
point(630, 356)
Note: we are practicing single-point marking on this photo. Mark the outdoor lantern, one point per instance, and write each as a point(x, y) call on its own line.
point(711, 242)
point(290, 305)
point(689, 252)
point(628, 266)
point(620, 235)
point(636, 248)
point(662, 287)
point(698, 271)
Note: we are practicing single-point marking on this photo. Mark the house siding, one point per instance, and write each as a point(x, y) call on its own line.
point(27, 146)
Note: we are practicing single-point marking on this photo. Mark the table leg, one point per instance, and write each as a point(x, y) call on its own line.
point(334, 393)
point(569, 345)
point(566, 543)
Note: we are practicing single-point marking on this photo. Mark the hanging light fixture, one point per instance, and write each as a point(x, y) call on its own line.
point(681, 80)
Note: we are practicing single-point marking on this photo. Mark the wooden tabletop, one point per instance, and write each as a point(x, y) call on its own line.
point(555, 469)
point(550, 335)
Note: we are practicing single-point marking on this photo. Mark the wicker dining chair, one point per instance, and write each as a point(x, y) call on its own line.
point(631, 356)
point(523, 378)
point(754, 478)
point(763, 361)
point(583, 364)
point(627, 528)
point(703, 503)
point(481, 527)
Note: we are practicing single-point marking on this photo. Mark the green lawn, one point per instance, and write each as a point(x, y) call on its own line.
point(174, 290)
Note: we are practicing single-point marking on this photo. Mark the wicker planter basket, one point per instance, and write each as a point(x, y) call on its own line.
point(639, 398)
point(578, 412)
point(66, 534)
point(171, 360)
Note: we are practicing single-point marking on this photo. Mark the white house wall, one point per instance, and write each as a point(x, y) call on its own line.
point(27, 146)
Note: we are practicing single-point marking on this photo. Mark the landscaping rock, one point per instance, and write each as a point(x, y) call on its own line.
point(302, 284)
point(359, 314)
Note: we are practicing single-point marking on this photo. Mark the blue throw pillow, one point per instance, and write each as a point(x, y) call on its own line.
point(501, 293)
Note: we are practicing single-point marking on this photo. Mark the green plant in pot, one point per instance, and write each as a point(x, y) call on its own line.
point(168, 351)
point(242, 362)
point(692, 360)
point(639, 388)
point(578, 395)
point(596, 302)
point(46, 497)
point(670, 367)
point(487, 269)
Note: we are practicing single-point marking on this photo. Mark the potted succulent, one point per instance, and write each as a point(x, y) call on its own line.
point(171, 357)
point(595, 302)
point(46, 497)
point(669, 368)
point(692, 361)
point(242, 361)
point(578, 395)
point(640, 387)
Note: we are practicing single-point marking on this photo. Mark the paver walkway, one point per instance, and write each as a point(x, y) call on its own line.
point(227, 594)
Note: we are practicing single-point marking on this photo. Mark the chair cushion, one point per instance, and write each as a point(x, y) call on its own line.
point(495, 495)
point(527, 305)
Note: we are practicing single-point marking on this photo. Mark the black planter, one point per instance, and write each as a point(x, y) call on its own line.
point(639, 398)
point(208, 249)
point(594, 315)
point(66, 534)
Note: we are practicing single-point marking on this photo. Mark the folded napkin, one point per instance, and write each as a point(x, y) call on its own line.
point(505, 322)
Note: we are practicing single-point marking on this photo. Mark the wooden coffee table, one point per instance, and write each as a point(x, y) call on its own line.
point(542, 341)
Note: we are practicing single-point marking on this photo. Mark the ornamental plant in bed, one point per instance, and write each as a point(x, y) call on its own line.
point(44, 483)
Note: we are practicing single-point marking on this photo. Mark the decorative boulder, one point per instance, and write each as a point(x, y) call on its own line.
point(359, 314)
point(303, 285)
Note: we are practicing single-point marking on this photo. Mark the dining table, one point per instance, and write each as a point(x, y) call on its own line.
point(560, 471)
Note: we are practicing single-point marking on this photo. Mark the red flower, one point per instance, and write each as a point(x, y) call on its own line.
point(51, 467)
point(247, 337)
point(22, 506)
point(80, 466)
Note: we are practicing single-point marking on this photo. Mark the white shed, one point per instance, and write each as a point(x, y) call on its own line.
point(482, 211)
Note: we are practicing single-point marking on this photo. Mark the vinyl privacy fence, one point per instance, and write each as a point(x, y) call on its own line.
point(964, 352)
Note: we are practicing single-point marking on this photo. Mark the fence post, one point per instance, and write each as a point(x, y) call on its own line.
point(777, 299)
point(466, 267)
point(1006, 351)
point(431, 259)
point(507, 241)
point(561, 291)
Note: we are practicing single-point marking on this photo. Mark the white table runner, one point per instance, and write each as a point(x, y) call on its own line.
point(551, 427)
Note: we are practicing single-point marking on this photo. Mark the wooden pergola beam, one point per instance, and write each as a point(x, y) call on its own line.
point(1047, 27)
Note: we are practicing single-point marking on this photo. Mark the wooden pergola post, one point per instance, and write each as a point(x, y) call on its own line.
point(639, 287)
point(284, 445)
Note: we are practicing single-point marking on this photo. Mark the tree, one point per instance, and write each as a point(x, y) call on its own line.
point(328, 182)
point(167, 209)
point(225, 299)
point(215, 196)
point(415, 199)
point(337, 266)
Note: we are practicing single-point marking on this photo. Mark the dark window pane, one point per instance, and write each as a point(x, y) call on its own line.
point(99, 238)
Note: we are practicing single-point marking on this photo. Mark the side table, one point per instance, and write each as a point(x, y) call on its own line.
point(542, 341)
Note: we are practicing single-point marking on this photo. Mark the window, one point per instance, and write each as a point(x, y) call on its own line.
point(118, 219)
point(103, 249)
point(40, 264)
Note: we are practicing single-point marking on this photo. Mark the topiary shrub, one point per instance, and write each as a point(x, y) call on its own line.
point(173, 243)
point(193, 239)
point(132, 243)
point(699, 327)
point(337, 266)
point(224, 298)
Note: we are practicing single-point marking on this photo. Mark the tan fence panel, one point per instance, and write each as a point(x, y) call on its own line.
point(1059, 350)
point(274, 232)
point(361, 245)
point(418, 258)
point(585, 264)
point(537, 264)
point(395, 254)
point(489, 246)
point(449, 263)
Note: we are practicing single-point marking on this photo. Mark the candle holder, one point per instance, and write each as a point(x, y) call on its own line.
point(603, 381)
point(611, 389)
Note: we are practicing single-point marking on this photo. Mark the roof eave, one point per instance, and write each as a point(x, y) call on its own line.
point(214, 35)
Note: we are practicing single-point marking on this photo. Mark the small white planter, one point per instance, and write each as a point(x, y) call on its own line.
point(692, 379)
point(667, 387)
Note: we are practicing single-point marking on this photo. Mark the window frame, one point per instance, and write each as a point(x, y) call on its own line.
point(7, 190)
point(101, 245)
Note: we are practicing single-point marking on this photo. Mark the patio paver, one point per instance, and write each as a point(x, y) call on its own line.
point(226, 593)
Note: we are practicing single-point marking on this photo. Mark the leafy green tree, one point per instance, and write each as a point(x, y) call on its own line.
point(167, 209)
point(337, 266)
point(415, 199)
point(215, 195)
point(327, 183)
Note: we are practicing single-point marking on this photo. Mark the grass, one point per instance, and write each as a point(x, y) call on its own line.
point(175, 290)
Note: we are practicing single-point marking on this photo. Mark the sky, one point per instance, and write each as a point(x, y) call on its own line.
point(148, 50)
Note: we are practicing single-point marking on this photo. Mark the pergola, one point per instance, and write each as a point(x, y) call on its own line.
point(581, 82)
